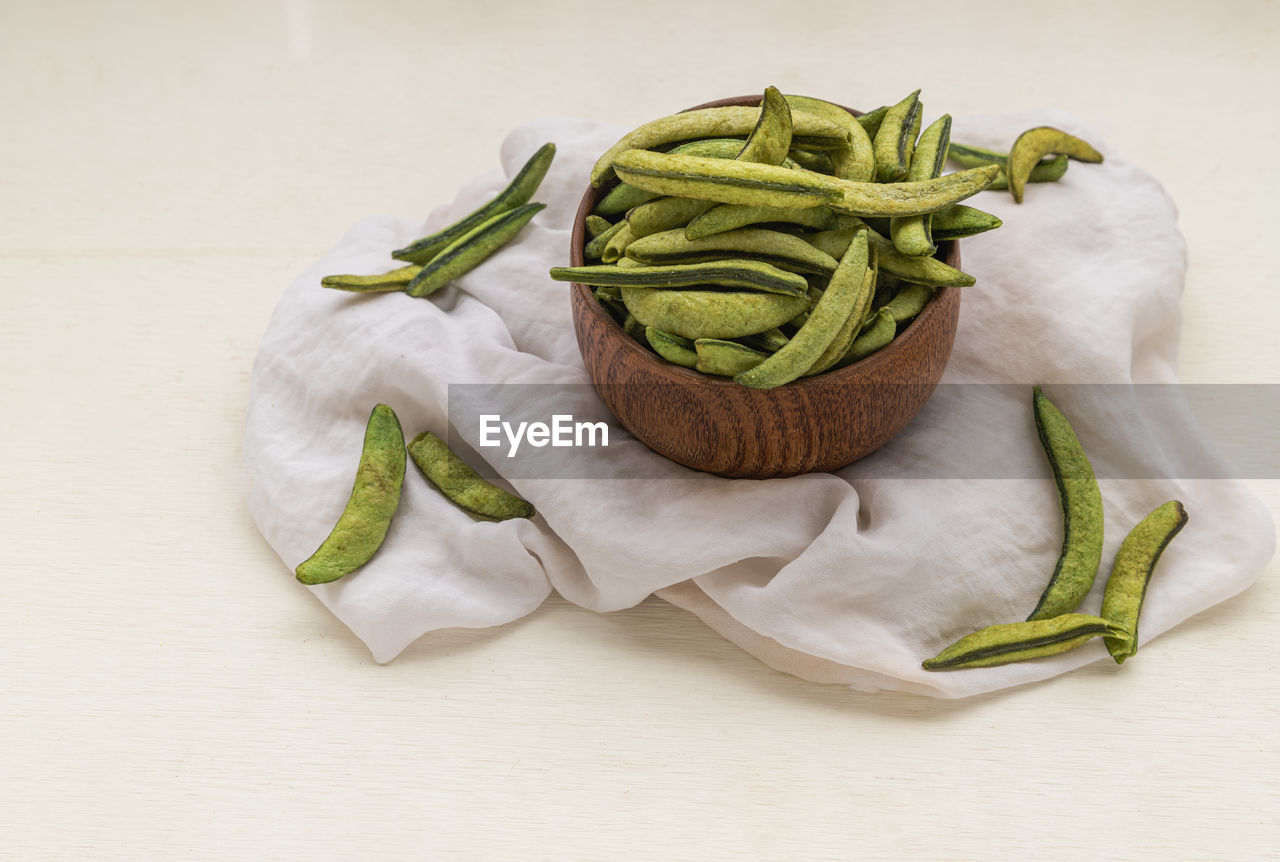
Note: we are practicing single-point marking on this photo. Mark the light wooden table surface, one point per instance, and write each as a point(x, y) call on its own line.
point(169, 691)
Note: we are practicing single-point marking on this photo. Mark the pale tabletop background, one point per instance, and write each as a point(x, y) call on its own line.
point(169, 691)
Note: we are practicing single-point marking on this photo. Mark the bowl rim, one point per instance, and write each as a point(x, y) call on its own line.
point(867, 366)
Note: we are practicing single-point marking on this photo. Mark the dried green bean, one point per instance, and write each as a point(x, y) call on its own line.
point(1081, 512)
point(616, 247)
point(672, 347)
point(596, 225)
point(1040, 141)
point(824, 323)
point(742, 274)
point(1010, 642)
point(852, 326)
point(725, 358)
point(909, 301)
point(783, 250)
point(364, 521)
point(911, 234)
point(463, 485)
point(807, 130)
point(385, 282)
point(517, 193)
point(1135, 561)
point(595, 249)
point(893, 140)
point(726, 217)
point(959, 221)
point(471, 249)
point(856, 161)
point(698, 314)
point(876, 334)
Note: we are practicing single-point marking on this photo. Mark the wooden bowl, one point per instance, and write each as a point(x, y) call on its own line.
point(712, 424)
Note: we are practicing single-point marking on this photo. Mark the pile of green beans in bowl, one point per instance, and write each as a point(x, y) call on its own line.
point(774, 243)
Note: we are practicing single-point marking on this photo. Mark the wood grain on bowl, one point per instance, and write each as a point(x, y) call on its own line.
point(715, 425)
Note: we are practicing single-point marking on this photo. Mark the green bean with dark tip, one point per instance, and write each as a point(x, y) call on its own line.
point(463, 485)
point(517, 193)
point(364, 521)
point(1131, 573)
point(471, 249)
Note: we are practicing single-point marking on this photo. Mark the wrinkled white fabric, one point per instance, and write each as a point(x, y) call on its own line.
point(830, 577)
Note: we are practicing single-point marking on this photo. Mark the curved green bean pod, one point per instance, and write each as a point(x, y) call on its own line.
point(966, 155)
point(464, 486)
point(909, 301)
point(876, 333)
point(783, 250)
point(855, 162)
point(364, 521)
point(385, 282)
point(1081, 512)
point(671, 347)
point(852, 326)
point(807, 130)
point(696, 314)
point(1040, 141)
point(894, 140)
point(1010, 642)
point(471, 249)
point(741, 274)
point(911, 234)
point(517, 193)
point(1135, 561)
point(725, 358)
point(726, 217)
point(825, 320)
point(770, 140)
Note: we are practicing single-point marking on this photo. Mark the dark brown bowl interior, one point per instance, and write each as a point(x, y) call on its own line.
point(713, 424)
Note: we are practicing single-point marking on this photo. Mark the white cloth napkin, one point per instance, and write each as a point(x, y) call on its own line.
point(831, 577)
